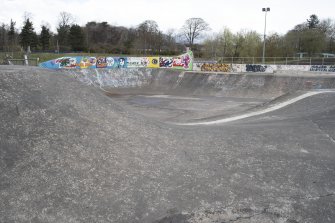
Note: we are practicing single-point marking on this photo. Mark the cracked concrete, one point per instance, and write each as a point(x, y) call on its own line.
point(71, 153)
point(323, 131)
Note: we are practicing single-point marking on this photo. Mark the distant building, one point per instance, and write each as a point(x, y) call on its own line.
point(324, 55)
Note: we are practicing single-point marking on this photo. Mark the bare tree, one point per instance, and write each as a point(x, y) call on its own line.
point(65, 21)
point(27, 15)
point(193, 28)
point(149, 36)
point(170, 39)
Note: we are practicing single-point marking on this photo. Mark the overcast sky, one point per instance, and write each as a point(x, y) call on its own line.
point(234, 14)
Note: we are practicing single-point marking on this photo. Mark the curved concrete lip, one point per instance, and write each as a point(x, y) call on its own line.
point(270, 108)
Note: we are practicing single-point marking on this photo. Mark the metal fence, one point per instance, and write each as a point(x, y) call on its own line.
point(26, 61)
point(16, 58)
point(277, 60)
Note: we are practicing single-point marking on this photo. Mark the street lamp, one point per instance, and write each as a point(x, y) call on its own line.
point(266, 10)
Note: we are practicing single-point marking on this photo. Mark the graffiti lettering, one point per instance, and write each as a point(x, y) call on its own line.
point(165, 62)
point(177, 62)
point(331, 68)
point(318, 68)
point(134, 62)
point(217, 67)
point(255, 68)
point(322, 68)
point(66, 62)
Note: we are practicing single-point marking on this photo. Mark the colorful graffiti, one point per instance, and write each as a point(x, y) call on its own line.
point(216, 67)
point(122, 62)
point(135, 62)
point(110, 61)
point(87, 62)
point(101, 62)
point(240, 68)
point(184, 61)
point(153, 62)
point(165, 61)
point(65, 62)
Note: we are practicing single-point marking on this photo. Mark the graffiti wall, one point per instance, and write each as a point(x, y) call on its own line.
point(322, 68)
point(217, 67)
point(221, 67)
point(291, 67)
point(166, 62)
point(86, 62)
point(184, 62)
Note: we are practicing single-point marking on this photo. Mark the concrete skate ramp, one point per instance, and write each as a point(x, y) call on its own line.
point(178, 96)
point(186, 83)
point(70, 152)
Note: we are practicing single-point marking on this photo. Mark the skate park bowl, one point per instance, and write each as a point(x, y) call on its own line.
point(164, 145)
point(174, 96)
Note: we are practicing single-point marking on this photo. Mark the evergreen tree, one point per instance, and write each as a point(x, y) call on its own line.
point(11, 34)
point(27, 35)
point(313, 21)
point(63, 36)
point(63, 29)
point(3, 37)
point(76, 38)
point(45, 38)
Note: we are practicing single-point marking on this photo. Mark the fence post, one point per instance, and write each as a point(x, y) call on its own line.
point(26, 60)
point(286, 61)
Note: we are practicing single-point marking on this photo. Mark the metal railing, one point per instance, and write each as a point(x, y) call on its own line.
point(26, 62)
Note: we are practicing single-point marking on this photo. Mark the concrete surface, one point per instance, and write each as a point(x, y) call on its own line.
point(70, 152)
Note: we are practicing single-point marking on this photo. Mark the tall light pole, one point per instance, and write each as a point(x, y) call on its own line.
point(266, 10)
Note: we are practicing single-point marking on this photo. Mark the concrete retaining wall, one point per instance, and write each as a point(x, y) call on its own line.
point(164, 81)
point(215, 67)
point(181, 62)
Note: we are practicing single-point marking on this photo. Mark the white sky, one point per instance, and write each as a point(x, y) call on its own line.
point(234, 14)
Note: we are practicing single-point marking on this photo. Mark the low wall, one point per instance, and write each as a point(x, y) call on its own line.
point(177, 82)
point(181, 62)
point(242, 68)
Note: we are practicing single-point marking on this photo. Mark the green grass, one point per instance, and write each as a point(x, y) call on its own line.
point(48, 56)
point(51, 56)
